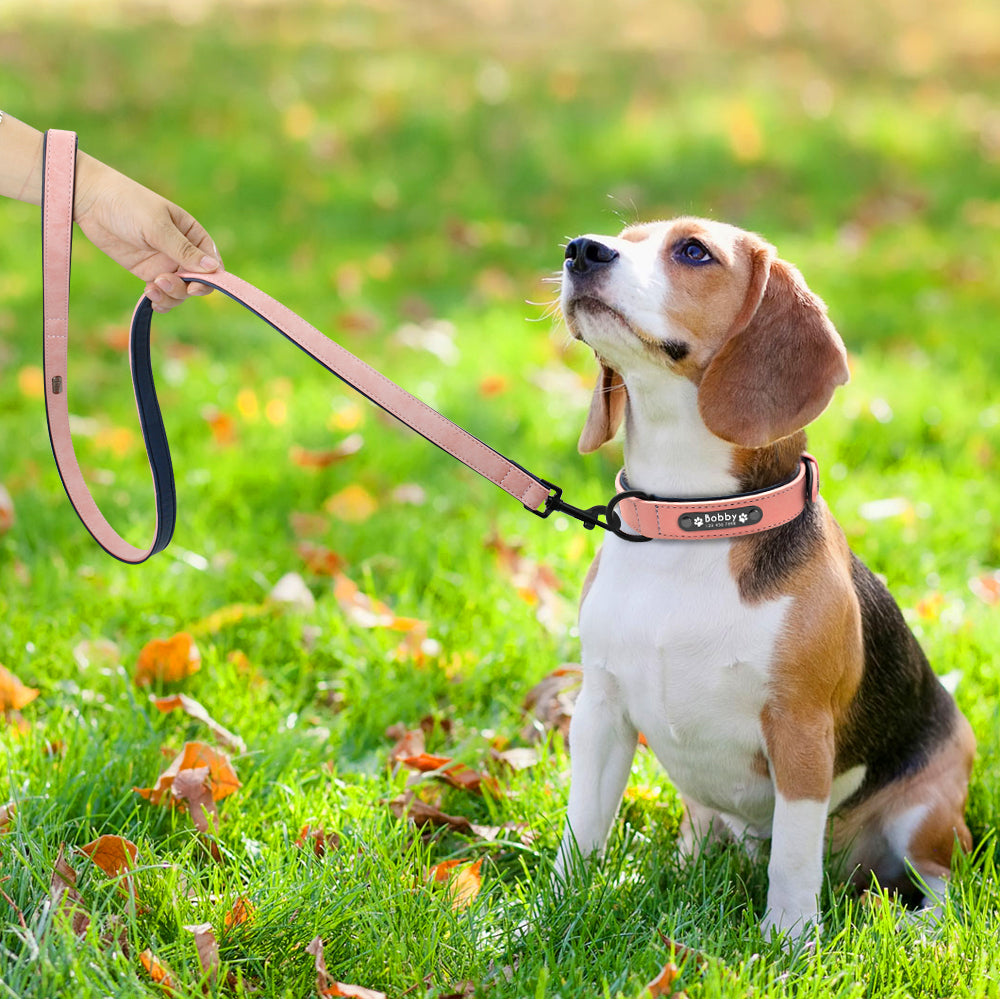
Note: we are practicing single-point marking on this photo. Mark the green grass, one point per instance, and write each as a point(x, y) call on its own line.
point(379, 165)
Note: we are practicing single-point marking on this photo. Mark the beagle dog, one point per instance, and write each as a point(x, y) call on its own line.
point(770, 671)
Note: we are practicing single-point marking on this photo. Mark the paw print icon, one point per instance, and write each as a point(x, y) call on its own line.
point(698, 522)
point(743, 518)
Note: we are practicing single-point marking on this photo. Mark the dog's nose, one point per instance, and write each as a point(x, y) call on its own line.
point(584, 254)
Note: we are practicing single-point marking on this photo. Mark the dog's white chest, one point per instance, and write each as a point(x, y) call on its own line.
point(691, 664)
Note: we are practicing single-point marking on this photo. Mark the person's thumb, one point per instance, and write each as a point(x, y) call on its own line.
point(190, 257)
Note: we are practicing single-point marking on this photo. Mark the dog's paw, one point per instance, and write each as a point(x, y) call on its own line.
point(790, 927)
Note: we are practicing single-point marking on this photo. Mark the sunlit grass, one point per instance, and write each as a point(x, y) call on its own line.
point(377, 167)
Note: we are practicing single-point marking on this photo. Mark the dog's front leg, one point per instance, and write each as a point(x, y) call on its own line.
point(602, 744)
point(800, 750)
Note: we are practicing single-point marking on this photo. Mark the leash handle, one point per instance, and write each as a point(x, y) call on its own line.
point(57, 247)
point(57, 241)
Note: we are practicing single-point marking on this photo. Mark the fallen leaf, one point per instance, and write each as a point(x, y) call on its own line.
point(158, 972)
point(551, 702)
point(457, 775)
point(420, 813)
point(517, 758)
point(63, 896)
point(7, 814)
point(353, 504)
point(305, 525)
point(319, 838)
point(465, 885)
point(987, 587)
point(663, 983)
point(198, 712)
point(241, 912)
point(31, 382)
point(6, 510)
point(208, 948)
point(319, 560)
point(409, 742)
point(192, 787)
point(307, 459)
point(327, 987)
point(220, 778)
point(112, 854)
point(534, 582)
point(170, 659)
point(223, 617)
point(13, 694)
point(222, 426)
point(369, 612)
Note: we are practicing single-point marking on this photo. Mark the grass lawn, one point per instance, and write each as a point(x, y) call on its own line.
point(403, 175)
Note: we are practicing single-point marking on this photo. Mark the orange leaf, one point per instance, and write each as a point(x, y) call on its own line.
point(222, 425)
point(353, 504)
point(306, 459)
point(987, 587)
point(112, 854)
point(220, 778)
point(31, 382)
point(444, 870)
point(167, 660)
point(158, 972)
point(241, 912)
point(664, 981)
point(319, 560)
point(464, 888)
point(327, 987)
point(457, 775)
point(198, 712)
point(13, 694)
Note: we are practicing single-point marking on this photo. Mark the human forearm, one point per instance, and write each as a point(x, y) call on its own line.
point(20, 161)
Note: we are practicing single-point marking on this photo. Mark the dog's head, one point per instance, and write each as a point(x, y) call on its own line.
point(702, 300)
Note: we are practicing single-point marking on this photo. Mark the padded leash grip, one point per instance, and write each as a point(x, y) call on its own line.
point(57, 245)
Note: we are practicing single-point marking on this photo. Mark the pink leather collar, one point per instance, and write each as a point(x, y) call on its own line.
point(722, 517)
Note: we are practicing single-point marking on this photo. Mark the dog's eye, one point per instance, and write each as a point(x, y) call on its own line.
point(693, 252)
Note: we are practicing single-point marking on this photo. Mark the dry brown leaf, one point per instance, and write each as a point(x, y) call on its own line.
point(457, 775)
point(327, 987)
point(170, 659)
point(421, 813)
point(409, 742)
point(663, 983)
point(369, 612)
point(551, 702)
point(191, 786)
point(221, 778)
point(13, 694)
point(158, 972)
point(198, 712)
point(319, 838)
point(63, 895)
point(208, 948)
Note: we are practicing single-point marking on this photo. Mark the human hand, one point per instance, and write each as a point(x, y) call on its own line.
point(145, 233)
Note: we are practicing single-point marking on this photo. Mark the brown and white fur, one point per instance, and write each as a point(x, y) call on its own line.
point(773, 674)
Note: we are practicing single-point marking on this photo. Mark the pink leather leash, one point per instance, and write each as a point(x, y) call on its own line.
point(537, 495)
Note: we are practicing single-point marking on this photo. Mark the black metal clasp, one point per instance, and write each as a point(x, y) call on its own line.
point(591, 517)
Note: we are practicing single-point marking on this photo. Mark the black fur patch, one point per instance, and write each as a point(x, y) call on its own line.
point(900, 713)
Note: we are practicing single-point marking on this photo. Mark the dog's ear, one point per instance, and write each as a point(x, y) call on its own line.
point(780, 363)
point(607, 407)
